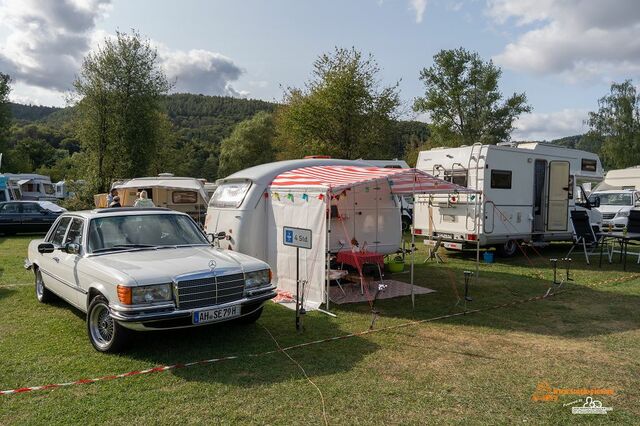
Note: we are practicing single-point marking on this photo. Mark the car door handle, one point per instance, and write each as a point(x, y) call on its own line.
point(57, 260)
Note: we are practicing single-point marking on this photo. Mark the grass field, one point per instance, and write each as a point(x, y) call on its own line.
point(477, 368)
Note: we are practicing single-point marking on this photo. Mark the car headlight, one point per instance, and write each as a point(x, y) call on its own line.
point(257, 278)
point(623, 214)
point(144, 294)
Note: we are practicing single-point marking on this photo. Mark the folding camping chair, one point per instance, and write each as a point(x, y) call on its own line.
point(633, 225)
point(336, 275)
point(433, 252)
point(583, 234)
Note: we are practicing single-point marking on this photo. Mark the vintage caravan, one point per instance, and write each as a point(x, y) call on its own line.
point(527, 189)
point(239, 208)
point(30, 186)
point(181, 194)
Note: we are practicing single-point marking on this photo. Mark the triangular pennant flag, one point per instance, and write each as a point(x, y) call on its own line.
point(290, 196)
point(305, 197)
point(276, 196)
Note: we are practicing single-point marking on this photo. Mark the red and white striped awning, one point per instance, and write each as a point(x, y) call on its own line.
point(339, 178)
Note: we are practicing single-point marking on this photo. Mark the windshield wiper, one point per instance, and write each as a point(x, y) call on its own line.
point(118, 247)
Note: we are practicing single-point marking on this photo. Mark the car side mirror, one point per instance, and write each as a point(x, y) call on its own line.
point(215, 237)
point(596, 202)
point(46, 248)
point(72, 248)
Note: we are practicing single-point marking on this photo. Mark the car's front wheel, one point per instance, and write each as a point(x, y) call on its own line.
point(105, 333)
point(42, 294)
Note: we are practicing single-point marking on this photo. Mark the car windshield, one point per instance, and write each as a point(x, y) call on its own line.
point(613, 199)
point(113, 233)
point(48, 188)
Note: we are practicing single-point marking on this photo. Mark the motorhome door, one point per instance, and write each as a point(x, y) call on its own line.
point(539, 205)
point(558, 196)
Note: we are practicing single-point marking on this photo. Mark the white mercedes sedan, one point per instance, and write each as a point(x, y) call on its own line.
point(144, 269)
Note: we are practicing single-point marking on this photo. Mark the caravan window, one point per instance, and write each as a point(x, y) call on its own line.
point(230, 194)
point(184, 197)
point(589, 165)
point(459, 177)
point(48, 189)
point(501, 179)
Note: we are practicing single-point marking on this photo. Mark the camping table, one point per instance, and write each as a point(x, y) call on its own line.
point(358, 259)
point(622, 239)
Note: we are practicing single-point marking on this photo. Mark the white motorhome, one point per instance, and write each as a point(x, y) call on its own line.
point(239, 208)
point(528, 190)
point(31, 186)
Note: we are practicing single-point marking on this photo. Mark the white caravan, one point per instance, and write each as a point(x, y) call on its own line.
point(527, 189)
point(30, 186)
point(239, 208)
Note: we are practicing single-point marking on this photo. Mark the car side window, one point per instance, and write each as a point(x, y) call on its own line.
point(10, 208)
point(31, 208)
point(57, 237)
point(75, 232)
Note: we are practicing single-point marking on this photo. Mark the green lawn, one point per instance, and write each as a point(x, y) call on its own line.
point(477, 368)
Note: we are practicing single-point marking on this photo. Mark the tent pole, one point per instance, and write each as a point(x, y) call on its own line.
point(413, 241)
point(327, 245)
point(477, 238)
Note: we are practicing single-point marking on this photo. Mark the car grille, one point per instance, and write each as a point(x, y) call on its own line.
point(208, 291)
point(608, 216)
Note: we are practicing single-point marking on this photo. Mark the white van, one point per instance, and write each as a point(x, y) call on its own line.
point(615, 205)
point(527, 189)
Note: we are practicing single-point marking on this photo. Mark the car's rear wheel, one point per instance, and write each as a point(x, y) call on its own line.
point(105, 333)
point(42, 294)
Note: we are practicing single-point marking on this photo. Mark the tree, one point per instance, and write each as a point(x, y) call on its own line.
point(342, 111)
point(249, 144)
point(463, 101)
point(5, 112)
point(617, 125)
point(120, 87)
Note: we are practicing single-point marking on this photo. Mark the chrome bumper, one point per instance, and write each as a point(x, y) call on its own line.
point(158, 313)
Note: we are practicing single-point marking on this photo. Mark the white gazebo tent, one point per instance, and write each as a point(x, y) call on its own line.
point(302, 198)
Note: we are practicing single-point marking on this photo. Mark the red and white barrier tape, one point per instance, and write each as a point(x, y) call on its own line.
point(163, 368)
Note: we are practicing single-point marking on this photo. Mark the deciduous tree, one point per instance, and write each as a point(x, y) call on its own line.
point(463, 101)
point(343, 111)
point(119, 89)
point(250, 144)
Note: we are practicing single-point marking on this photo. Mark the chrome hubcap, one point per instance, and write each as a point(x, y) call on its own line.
point(101, 325)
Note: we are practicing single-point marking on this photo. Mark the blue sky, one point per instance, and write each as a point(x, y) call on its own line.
point(563, 54)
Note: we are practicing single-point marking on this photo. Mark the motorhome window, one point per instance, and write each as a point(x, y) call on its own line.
point(48, 189)
point(184, 197)
point(589, 165)
point(501, 179)
point(459, 177)
point(230, 194)
point(30, 187)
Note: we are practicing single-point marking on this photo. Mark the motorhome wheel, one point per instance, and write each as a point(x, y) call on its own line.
point(507, 249)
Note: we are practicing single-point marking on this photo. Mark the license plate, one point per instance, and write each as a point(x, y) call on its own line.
point(213, 315)
point(453, 246)
point(444, 235)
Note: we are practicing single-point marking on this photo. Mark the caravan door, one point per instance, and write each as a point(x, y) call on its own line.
point(558, 196)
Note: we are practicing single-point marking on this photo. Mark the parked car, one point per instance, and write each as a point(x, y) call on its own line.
point(28, 216)
point(615, 206)
point(144, 269)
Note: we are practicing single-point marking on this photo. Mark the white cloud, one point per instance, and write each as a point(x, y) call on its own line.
point(580, 39)
point(418, 6)
point(200, 71)
point(47, 40)
point(549, 126)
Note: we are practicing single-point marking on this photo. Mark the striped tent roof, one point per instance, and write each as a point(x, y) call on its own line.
point(339, 178)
